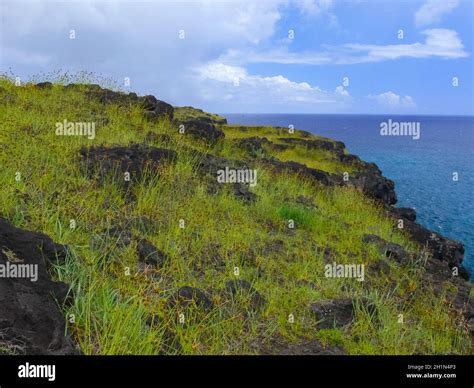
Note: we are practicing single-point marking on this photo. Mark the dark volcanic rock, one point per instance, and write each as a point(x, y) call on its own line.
point(379, 267)
point(209, 164)
point(134, 159)
point(202, 130)
point(340, 312)
point(156, 109)
point(406, 213)
point(253, 145)
point(30, 321)
point(313, 174)
point(440, 247)
point(438, 274)
point(149, 254)
point(375, 185)
point(368, 179)
point(187, 296)
point(243, 287)
point(333, 313)
point(371, 182)
point(306, 202)
point(241, 191)
point(350, 159)
point(158, 137)
point(195, 113)
point(44, 85)
point(328, 145)
point(169, 341)
point(153, 108)
point(390, 250)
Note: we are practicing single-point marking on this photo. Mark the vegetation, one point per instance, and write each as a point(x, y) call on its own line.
point(119, 308)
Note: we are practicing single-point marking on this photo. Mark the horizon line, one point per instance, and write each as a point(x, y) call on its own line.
point(352, 114)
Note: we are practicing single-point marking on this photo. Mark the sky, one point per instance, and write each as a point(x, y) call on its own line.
point(266, 56)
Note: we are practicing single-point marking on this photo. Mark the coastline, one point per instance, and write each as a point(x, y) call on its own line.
point(309, 188)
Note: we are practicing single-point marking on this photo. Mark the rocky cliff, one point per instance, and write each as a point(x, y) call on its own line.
point(177, 261)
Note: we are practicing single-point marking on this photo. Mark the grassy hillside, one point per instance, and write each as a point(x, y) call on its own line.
point(207, 236)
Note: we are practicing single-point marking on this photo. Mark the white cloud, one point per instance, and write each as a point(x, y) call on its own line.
point(128, 39)
point(314, 7)
point(393, 101)
point(340, 90)
point(275, 92)
point(139, 40)
point(439, 42)
point(432, 11)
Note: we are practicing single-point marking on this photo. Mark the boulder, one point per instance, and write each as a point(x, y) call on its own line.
point(44, 85)
point(337, 313)
point(202, 130)
point(243, 287)
point(319, 176)
point(328, 145)
point(242, 192)
point(374, 185)
point(189, 296)
point(150, 255)
point(390, 250)
point(134, 159)
point(253, 145)
point(405, 213)
point(30, 320)
point(333, 313)
point(156, 109)
point(440, 247)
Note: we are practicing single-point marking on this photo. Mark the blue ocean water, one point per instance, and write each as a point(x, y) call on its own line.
point(422, 169)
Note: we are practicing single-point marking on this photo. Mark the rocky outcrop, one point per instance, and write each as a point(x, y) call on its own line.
point(436, 272)
point(337, 147)
point(188, 296)
point(319, 176)
point(150, 255)
point(202, 130)
point(30, 319)
point(208, 165)
point(438, 246)
point(156, 109)
point(388, 249)
point(135, 159)
point(373, 184)
point(153, 108)
point(253, 145)
point(333, 313)
point(44, 85)
point(237, 288)
point(405, 213)
point(338, 312)
point(188, 112)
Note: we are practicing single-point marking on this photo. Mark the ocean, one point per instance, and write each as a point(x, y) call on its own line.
point(424, 169)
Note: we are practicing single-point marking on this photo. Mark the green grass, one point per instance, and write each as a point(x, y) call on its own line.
point(113, 299)
point(184, 113)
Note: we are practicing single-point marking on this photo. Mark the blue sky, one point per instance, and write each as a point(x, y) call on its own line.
point(239, 56)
